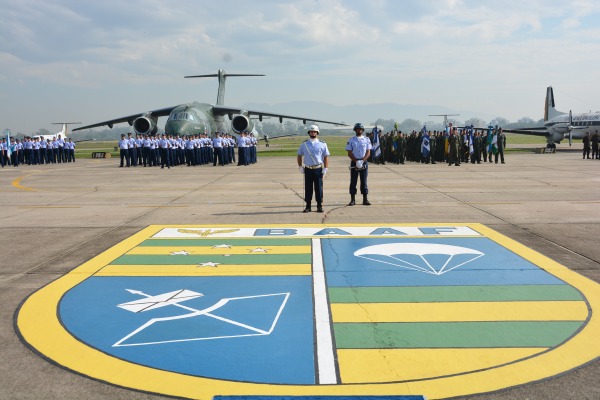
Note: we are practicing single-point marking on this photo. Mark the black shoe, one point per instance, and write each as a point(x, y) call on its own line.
point(352, 202)
point(319, 209)
point(366, 201)
point(307, 209)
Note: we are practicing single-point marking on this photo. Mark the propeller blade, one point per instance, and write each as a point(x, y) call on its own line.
point(570, 137)
point(570, 118)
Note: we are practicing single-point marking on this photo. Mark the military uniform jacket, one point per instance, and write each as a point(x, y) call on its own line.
point(314, 152)
point(359, 146)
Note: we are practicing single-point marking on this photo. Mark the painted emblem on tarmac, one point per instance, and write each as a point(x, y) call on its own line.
point(202, 311)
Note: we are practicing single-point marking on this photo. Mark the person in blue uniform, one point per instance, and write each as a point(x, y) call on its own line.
point(313, 160)
point(217, 144)
point(359, 149)
point(124, 150)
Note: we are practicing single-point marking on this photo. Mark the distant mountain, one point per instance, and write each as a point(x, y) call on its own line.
point(365, 113)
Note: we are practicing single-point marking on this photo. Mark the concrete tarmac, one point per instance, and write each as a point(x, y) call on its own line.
point(55, 217)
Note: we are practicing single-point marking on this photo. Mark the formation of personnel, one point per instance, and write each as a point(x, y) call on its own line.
point(191, 150)
point(36, 151)
point(454, 147)
point(312, 159)
point(591, 143)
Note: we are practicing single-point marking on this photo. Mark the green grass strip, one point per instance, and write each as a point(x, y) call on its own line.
point(259, 241)
point(198, 259)
point(426, 294)
point(453, 334)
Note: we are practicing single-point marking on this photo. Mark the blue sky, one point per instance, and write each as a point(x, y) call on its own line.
point(92, 61)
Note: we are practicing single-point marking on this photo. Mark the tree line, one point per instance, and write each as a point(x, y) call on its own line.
point(296, 127)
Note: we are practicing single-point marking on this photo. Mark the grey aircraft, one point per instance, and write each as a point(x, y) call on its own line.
point(201, 118)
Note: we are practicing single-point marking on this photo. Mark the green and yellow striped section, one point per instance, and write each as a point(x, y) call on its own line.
point(214, 257)
point(387, 334)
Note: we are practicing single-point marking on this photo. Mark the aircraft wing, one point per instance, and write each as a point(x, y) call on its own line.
point(541, 131)
point(129, 119)
point(280, 136)
point(224, 110)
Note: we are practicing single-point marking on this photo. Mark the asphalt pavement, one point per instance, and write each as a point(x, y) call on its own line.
point(55, 217)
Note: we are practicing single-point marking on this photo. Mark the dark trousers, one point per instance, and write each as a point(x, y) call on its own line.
point(586, 152)
point(133, 156)
point(313, 183)
point(165, 158)
point(354, 174)
point(190, 158)
point(242, 156)
point(501, 154)
point(124, 153)
point(218, 154)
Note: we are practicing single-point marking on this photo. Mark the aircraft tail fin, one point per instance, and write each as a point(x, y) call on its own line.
point(549, 107)
point(65, 126)
point(222, 75)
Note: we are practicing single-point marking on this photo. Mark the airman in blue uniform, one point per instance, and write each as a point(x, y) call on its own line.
point(359, 149)
point(217, 144)
point(124, 150)
point(315, 155)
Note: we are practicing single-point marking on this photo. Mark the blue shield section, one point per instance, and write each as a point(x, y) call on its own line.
point(263, 334)
point(497, 266)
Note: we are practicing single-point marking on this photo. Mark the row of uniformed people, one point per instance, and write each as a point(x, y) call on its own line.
point(168, 150)
point(454, 148)
point(36, 151)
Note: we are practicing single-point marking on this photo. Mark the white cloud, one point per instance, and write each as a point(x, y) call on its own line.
point(458, 53)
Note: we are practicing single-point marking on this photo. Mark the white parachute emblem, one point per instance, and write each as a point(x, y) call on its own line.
point(430, 258)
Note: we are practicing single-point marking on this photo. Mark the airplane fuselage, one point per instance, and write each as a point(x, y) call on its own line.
point(582, 123)
point(193, 119)
point(200, 118)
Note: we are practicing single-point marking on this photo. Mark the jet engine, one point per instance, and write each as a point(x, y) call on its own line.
point(145, 125)
point(241, 123)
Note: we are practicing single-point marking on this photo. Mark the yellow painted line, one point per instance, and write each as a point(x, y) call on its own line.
point(393, 365)
point(493, 202)
point(17, 182)
point(194, 270)
point(49, 207)
point(166, 250)
point(461, 311)
point(157, 206)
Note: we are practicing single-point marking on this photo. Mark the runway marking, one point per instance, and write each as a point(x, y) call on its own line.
point(326, 364)
point(49, 206)
point(16, 183)
point(157, 206)
point(360, 319)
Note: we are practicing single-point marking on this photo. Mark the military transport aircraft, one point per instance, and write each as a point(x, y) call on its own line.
point(200, 118)
point(558, 125)
point(62, 133)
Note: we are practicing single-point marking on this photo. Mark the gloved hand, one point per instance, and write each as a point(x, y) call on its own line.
point(301, 169)
point(359, 164)
point(324, 171)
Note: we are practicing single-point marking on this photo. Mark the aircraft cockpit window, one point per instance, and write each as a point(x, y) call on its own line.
point(182, 116)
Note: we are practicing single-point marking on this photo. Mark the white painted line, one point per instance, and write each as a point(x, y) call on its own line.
point(325, 351)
